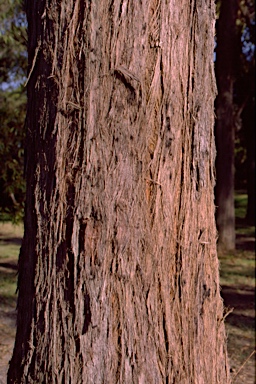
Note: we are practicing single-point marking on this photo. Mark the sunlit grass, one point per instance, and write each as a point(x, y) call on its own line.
point(10, 240)
point(8, 286)
point(237, 277)
point(9, 230)
point(240, 204)
point(9, 251)
point(238, 268)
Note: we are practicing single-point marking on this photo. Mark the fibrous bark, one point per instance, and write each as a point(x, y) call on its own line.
point(118, 272)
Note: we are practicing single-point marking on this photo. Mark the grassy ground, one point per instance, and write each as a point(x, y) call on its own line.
point(10, 241)
point(238, 290)
point(237, 270)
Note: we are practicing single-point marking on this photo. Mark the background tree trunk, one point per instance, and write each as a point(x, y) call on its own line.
point(249, 122)
point(226, 61)
point(118, 272)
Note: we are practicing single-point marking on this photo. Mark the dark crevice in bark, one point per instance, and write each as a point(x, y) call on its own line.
point(87, 313)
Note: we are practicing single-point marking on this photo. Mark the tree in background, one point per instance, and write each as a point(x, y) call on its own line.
point(226, 61)
point(248, 117)
point(13, 63)
point(245, 101)
point(118, 271)
point(234, 74)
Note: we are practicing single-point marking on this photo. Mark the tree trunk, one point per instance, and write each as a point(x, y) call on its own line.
point(118, 272)
point(249, 122)
point(225, 128)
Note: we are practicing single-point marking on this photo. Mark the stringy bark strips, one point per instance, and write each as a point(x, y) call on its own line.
point(118, 272)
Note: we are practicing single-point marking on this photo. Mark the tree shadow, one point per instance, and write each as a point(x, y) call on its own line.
point(243, 222)
point(11, 240)
point(245, 241)
point(241, 321)
point(242, 300)
point(9, 265)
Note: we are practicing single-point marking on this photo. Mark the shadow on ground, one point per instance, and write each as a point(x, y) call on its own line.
point(9, 265)
point(245, 241)
point(242, 301)
point(10, 240)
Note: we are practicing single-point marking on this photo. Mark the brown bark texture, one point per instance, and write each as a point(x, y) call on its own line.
point(118, 271)
point(226, 61)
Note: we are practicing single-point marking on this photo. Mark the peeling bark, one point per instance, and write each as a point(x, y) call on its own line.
point(118, 272)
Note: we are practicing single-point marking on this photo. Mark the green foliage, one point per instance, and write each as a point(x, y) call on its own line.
point(13, 63)
point(246, 29)
point(13, 56)
point(12, 117)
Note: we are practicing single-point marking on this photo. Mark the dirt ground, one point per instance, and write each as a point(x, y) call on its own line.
point(7, 322)
point(7, 335)
point(10, 241)
point(240, 323)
